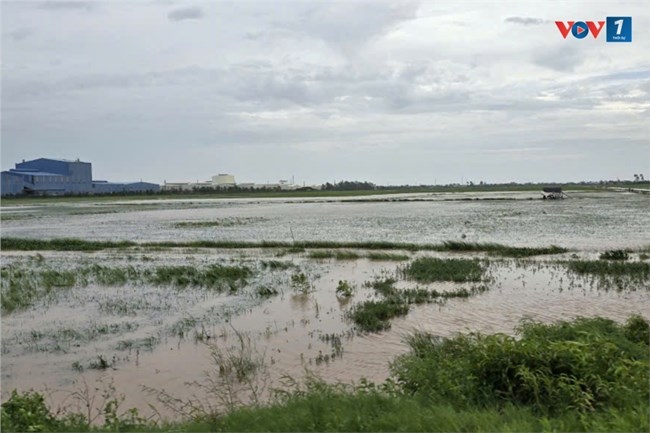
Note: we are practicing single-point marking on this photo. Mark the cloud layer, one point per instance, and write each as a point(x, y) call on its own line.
point(391, 92)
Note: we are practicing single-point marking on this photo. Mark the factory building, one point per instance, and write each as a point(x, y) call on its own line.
point(223, 180)
point(45, 176)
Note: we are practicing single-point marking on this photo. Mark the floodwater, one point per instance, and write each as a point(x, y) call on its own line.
point(161, 338)
point(586, 221)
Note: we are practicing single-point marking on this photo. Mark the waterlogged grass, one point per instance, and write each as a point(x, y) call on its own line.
point(64, 339)
point(22, 287)
point(352, 255)
point(607, 271)
point(580, 376)
point(338, 255)
point(21, 244)
point(614, 255)
point(216, 277)
point(430, 269)
point(375, 315)
point(223, 222)
point(387, 257)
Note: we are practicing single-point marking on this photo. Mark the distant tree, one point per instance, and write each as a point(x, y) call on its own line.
point(636, 177)
point(641, 176)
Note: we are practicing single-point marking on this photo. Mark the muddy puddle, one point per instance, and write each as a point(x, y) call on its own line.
point(159, 338)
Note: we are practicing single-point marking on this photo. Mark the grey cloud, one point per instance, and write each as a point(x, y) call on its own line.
point(186, 13)
point(55, 5)
point(525, 21)
point(19, 34)
point(563, 59)
point(352, 23)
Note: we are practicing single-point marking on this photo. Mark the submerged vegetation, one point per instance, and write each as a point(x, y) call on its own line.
point(608, 272)
point(222, 222)
point(375, 315)
point(585, 375)
point(431, 269)
point(23, 244)
point(22, 287)
point(614, 255)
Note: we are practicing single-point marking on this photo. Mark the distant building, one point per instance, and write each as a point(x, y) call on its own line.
point(223, 180)
point(45, 176)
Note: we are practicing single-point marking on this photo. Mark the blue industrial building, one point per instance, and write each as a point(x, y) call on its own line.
point(46, 176)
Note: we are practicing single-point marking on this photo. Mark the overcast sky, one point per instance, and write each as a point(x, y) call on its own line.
point(389, 92)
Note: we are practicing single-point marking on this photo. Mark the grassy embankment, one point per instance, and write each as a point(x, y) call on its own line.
point(585, 375)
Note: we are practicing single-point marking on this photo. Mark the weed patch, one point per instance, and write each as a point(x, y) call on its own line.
point(429, 269)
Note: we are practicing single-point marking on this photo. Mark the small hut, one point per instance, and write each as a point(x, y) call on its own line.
point(552, 192)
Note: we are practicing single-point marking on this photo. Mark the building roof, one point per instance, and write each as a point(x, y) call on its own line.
point(27, 172)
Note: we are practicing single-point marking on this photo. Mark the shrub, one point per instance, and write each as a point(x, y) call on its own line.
point(584, 365)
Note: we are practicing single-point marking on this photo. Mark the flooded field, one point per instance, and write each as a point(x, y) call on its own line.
point(190, 323)
point(586, 221)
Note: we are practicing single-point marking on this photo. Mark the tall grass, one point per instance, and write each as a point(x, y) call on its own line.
point(581, 366)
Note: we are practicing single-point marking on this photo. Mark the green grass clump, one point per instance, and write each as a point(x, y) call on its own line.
point(374, 316)
point(502, 250)
point(321, 255)
point(344, 289)
point(213, 277)
point(581, 366)
point(430, 269)
point(384, 287)
point(387, 257)
point(614, 255)
point(274, 265)
point(605, 269)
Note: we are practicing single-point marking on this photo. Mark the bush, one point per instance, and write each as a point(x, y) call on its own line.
point(579, 366)
point(26, 413)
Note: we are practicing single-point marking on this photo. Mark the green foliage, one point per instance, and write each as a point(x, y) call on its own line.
point(615, 255)
point(430, 269)
point(266, 291)
point(274, 265)
point(26, 412)
point(374, 316)
point(502, 250)
point(22, 244)
point(300, 283)
point(605, 270)
point(22, 287)
point(384, 287)
point(580, 366)
point(388, 257)
point(344, 289)
point(213, 277)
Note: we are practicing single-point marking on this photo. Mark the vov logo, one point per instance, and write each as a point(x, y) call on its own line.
point(619, 29)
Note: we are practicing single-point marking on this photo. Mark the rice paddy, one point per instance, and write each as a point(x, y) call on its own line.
point(252, 294)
